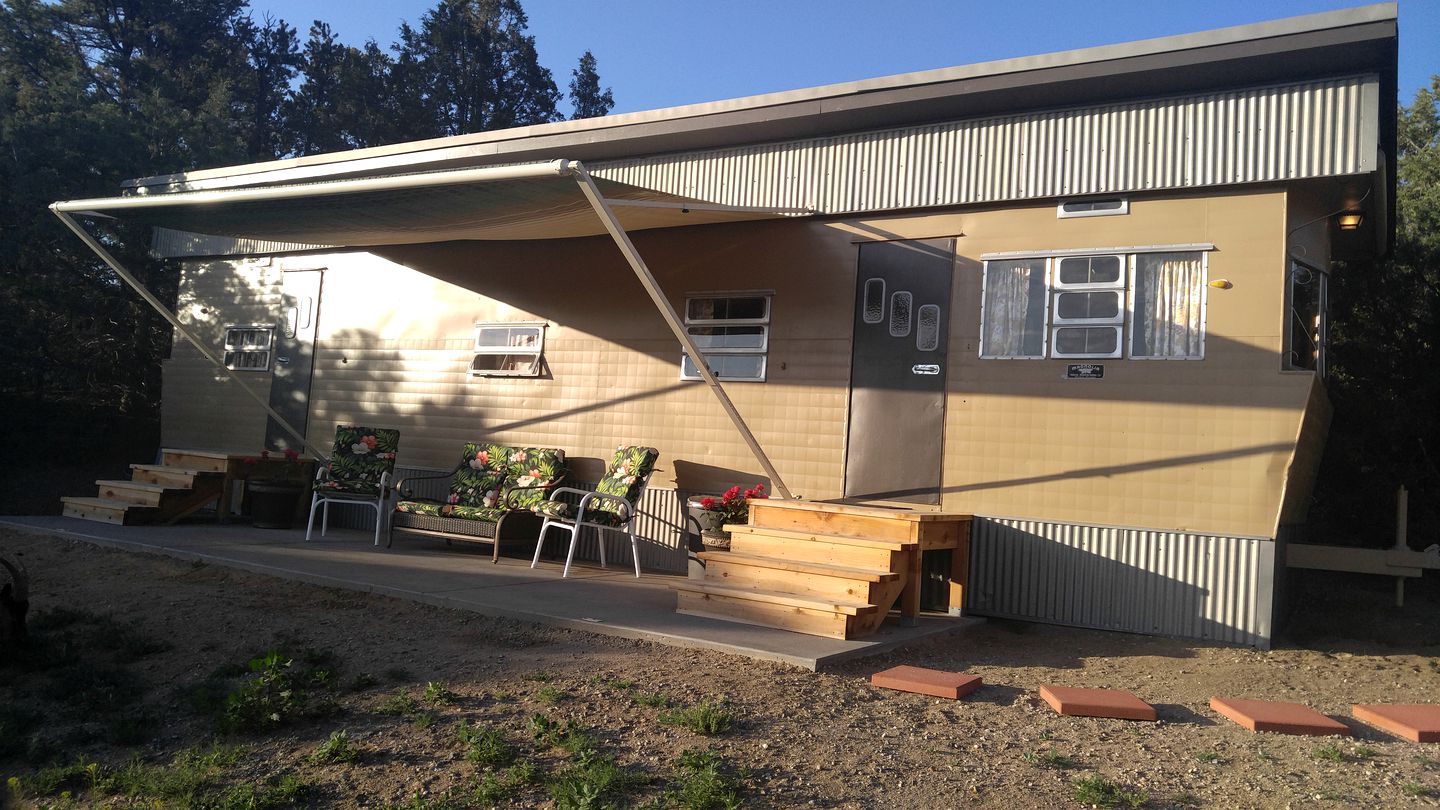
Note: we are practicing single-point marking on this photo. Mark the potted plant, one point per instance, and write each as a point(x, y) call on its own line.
point(732, 508)
point(274, 486)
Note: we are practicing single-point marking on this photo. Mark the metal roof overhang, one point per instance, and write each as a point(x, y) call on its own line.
point(555, 199)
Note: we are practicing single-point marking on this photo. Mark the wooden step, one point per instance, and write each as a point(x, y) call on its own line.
point(206, 460)
point(836, 520)
point(800, 566)
point(802, 578)
point(784, 611)
point(104, 510)
point(131, 492)
point(177, 477)
point(814, 547)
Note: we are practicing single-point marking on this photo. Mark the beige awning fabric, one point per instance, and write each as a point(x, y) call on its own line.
point(532, 201)
point(550, 200)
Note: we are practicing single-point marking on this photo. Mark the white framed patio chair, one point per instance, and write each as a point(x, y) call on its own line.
point(612, 506)
point(361, 466)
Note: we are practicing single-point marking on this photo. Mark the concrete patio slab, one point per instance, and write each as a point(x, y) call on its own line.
point(1279, 717)
point(1112, 703)
point(1416, 722)
point(609, 602)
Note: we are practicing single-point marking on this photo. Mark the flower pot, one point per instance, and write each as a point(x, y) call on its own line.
point(715, 540)
point(272, 506)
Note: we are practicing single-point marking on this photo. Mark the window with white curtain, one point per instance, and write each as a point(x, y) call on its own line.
point(1081, 306)
point(1013, 314)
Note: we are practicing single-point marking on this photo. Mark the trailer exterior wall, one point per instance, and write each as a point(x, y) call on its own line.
point(1189, 446)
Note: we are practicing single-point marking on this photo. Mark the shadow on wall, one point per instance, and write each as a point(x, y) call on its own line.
point(1128, 580)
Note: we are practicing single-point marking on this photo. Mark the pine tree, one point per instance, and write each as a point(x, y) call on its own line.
point(585, 93)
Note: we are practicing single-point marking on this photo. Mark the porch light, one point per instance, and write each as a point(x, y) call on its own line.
point(1350, 220)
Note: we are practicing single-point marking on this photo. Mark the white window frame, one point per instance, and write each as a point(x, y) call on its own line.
point(233, 350)
point(1120, 287)
point(985, 315)
point(1124, 323)
point(763, 351)
point(536, 352)
point(1062, 213)
point(1204, 308)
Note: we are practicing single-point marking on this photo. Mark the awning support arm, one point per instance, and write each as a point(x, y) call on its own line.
point(165, 312)
point(647, 280)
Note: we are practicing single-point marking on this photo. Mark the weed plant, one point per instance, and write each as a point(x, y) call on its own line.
point(706, 719)
point(702, 784)
point(277, 692)
point(437, 694)
point(1097, 791)
point(336, 750)
point(485, 746)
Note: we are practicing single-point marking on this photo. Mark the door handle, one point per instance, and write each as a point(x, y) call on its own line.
point(283, 360)
point(927, 369)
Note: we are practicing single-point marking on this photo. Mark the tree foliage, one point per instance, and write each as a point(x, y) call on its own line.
point(1385, 329)
point(585, 93)
point(95, 92)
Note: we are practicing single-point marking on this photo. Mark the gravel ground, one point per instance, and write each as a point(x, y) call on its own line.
point(798, 738)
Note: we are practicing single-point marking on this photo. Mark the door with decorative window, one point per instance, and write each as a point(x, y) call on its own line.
point(294, 350)
point(897, 371)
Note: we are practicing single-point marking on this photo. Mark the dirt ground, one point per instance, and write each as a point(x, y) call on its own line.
point(798, 738)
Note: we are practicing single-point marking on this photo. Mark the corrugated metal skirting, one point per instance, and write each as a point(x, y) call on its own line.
point(1132, 580)
point(661, 525)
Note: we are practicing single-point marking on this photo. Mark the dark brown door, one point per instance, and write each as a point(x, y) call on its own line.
point(897, 372)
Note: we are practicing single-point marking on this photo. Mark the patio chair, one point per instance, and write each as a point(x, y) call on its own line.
point(611, 506)
point(359, 472)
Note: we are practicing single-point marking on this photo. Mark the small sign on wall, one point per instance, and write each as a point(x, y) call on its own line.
point(1085, 371)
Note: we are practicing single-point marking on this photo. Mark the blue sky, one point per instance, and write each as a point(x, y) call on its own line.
point(662, 53)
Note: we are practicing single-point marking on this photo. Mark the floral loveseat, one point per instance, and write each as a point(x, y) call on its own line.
point(493, 491)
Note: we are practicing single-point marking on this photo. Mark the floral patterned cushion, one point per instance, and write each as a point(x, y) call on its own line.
point(480, 477)
point(531, 472)
point(361, 456)
point(330, 486)
point(437, 509)
point(625, 477)
point(565, 511)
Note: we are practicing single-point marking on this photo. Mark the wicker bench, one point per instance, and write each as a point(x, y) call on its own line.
point(493, 491)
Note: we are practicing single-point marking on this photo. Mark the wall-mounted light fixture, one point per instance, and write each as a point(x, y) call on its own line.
point(1221, 284)
point(1350, 220)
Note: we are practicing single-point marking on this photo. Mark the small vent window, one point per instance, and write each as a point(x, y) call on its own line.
point(900, 303)
point(248, 347)
point(874, 311)
point(732, 333)
point(927, 330)
point(508, 349)
point(1093, 208)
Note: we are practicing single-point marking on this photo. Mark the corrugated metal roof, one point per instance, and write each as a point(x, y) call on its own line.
point(1289, 132)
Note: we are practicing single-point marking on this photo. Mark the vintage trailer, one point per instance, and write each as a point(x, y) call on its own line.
point(1080, 296)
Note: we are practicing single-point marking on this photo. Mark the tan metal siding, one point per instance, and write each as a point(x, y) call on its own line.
point(1132, 580)
point(1314, 129)
point(200, 406)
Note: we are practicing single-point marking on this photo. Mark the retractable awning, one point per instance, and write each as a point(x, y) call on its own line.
point(556, 199)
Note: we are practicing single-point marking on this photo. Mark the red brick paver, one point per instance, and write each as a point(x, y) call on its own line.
point(934, 682)
point(1281, 718)
point(1416, 722)
point(1116, 703)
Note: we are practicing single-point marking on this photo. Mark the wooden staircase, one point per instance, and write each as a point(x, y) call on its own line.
point(182, 483)
point(824, 569)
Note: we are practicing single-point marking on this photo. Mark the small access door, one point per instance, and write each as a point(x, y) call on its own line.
point(897, 371)
point(294, 357)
